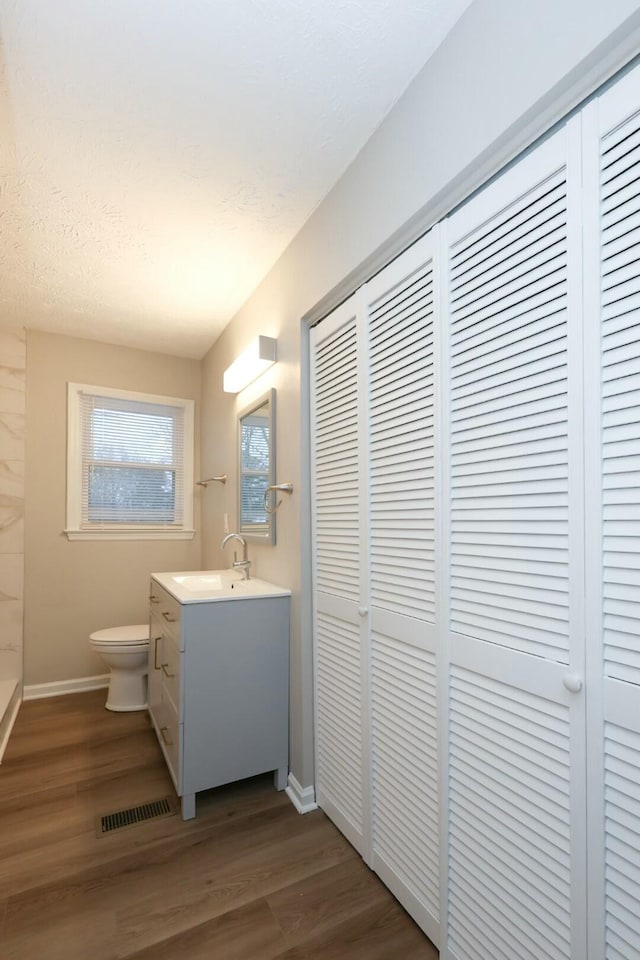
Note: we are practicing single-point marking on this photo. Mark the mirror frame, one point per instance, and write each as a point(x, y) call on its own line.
point(269, 535)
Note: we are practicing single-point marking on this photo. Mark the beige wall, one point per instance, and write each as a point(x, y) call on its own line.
point(74, 588)
point(505, 72)
point(12, 444)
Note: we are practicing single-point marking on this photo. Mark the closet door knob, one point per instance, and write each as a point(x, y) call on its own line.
point(572, 682)
point(363, 611)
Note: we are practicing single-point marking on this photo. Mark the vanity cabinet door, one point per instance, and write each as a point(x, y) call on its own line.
point(155, 672)
point(165, 700)
point(170, 735)
point(170, 666)
point(165, 658)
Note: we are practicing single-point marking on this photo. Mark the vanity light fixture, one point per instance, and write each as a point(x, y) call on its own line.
point(252, 362)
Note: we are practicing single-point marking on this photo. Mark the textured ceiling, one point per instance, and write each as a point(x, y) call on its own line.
point(157, 157)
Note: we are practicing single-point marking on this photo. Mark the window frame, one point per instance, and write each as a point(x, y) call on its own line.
point(123, 531)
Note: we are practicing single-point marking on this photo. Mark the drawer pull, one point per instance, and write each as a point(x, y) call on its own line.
point(163, 733)
point(166, 672)
point(153, 599)
point(168, 617)
point(156, 665)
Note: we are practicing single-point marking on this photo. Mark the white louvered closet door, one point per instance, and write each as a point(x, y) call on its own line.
point(339, 590)
point(612, 173)
point(404, 777)
point(514, 880)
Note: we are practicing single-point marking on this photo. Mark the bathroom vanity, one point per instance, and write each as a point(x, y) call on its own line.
point(219, 679)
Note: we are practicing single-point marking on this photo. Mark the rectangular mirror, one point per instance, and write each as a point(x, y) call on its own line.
point(256, 468)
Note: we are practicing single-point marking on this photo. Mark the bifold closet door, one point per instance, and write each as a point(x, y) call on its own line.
point(612, 175)
point(374, 595)
point(402, 625)
point(338, 472)
point(514, 877)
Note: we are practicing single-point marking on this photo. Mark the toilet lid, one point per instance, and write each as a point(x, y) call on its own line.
point(138, 633)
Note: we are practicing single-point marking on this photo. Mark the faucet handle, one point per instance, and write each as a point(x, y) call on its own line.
point(244, 566)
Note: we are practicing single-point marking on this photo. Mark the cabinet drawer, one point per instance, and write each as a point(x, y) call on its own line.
point(170, 732)
point(155, 643)
point(169, 660)
point(165, 607)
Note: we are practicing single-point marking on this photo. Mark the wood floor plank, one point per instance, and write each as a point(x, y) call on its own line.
point(78, 763)
point(75, 716)
point(14, 809)
point(60, 930)
point(58, 767)
point(217, 880)
point(121, 790)
point(245, 933)
point(316, 905)
point(32, 822)
point(376, 933)
point(247, 879)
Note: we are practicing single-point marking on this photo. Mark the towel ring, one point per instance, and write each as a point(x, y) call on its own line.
point(285, 487)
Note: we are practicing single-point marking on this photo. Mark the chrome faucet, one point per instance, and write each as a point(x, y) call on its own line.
point(243, 564)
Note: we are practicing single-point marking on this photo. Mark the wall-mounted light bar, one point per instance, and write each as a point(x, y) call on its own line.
point(252, 362)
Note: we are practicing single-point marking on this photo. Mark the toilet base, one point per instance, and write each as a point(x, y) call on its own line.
point(127, 691)
point(117, 709)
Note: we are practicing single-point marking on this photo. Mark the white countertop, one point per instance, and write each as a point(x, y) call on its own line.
point(205, 586)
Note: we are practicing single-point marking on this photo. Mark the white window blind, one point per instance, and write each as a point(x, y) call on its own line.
point(130, 462)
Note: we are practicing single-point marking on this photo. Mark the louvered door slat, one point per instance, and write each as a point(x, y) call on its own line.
point(621, 402)
point(545, 415)
point(612, 150)
point(401, 411)
point(405, 819)
point(514, 769)
point(538, 243)
point(405, 813)
point(337, 525)
point(622, 786)
point(513, 858)
point(332, 433)
point(497, 232)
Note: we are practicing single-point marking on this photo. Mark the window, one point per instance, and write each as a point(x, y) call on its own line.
point(129, 466)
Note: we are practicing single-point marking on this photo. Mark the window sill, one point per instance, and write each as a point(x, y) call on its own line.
point(130, 534)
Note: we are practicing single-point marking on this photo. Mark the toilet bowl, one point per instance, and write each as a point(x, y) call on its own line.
point(125, 650)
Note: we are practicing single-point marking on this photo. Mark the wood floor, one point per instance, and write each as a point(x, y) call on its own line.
point(248, 879)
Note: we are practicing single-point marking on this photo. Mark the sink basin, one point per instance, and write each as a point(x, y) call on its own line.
point(200, 586)
point(201, 581)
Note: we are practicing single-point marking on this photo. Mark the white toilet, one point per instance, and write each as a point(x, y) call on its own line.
point(125, 650)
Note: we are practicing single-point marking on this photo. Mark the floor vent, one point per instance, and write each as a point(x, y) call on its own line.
point(166, 807)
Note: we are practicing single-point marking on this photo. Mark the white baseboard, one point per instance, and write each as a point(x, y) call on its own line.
point(36, 691)
point(303, 798)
